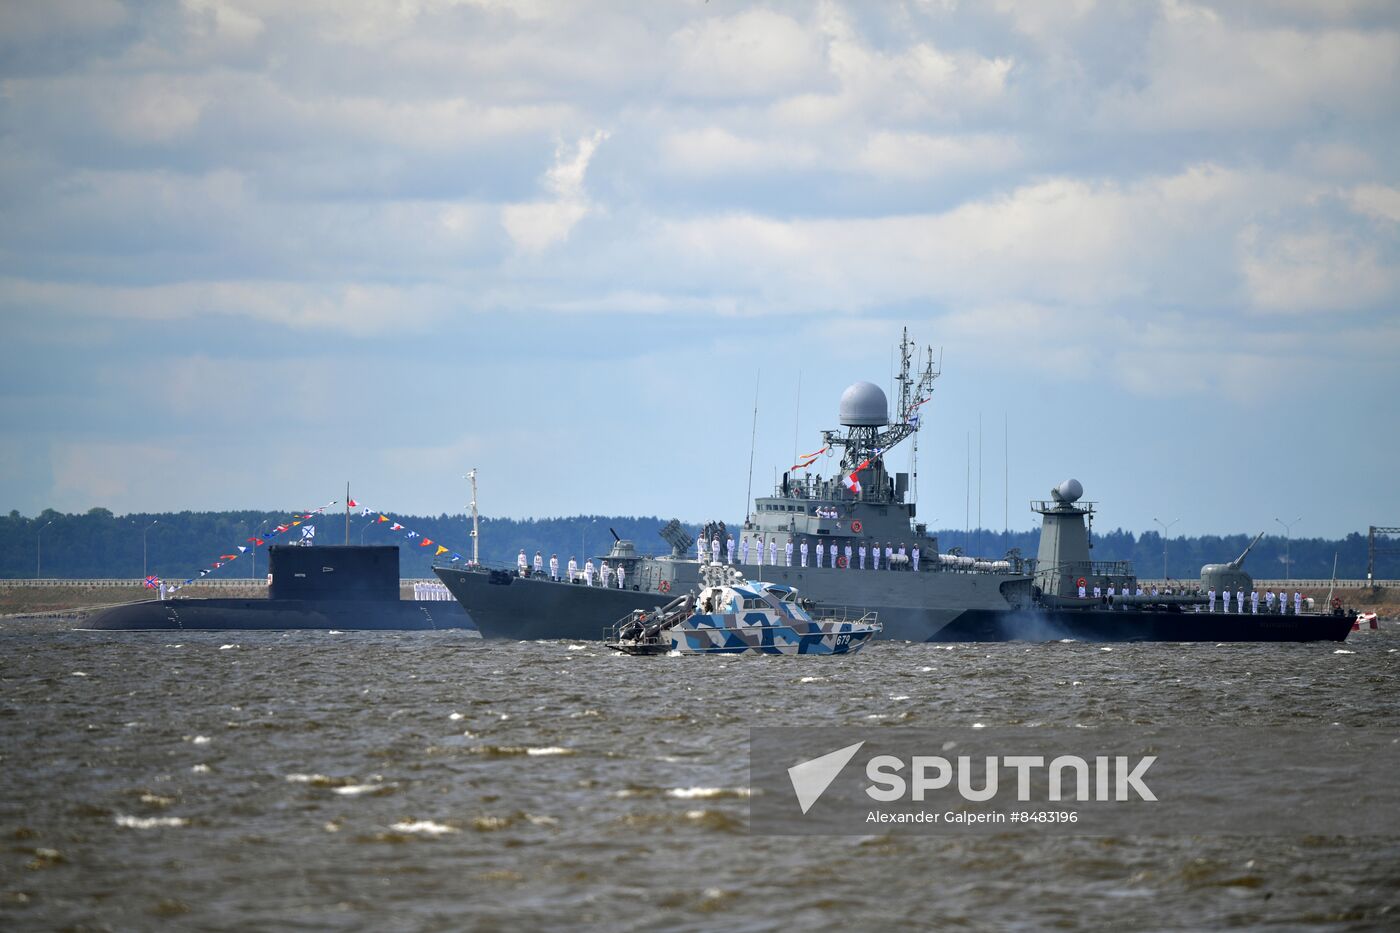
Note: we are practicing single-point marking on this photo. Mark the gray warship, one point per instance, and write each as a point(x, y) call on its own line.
point(920, 592)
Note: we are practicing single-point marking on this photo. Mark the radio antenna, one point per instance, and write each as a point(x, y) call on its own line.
point(753, 439)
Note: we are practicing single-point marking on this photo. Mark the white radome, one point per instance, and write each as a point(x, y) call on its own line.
point(864, 405)
point(1069, 491)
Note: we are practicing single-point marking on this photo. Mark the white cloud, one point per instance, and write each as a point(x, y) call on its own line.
point(923, 155)
point(1203, 71)
point(1379, 201)
point(1315, 270)
point(757, 53)
point(538, 225)
point(714, 151)
point(353, 308)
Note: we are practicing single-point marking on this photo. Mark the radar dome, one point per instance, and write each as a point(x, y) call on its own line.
point(864, 405)
point(1068, 491)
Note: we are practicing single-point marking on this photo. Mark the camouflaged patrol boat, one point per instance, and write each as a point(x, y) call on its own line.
point(732, 615)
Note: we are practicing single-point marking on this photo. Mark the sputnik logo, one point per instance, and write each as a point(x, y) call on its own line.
point(811, 778)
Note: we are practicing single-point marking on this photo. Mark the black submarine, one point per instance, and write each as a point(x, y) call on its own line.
point(341, 587)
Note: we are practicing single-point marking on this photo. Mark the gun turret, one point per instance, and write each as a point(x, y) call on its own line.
point(1231, 576)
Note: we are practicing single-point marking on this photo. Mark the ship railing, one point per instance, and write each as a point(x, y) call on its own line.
point(1088, 568)
point(837, 614)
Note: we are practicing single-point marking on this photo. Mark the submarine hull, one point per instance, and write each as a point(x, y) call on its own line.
point(506, 606)
point(281, 614)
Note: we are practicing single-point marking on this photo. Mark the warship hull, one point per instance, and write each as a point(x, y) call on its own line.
point(504, 605)
point(217, 615)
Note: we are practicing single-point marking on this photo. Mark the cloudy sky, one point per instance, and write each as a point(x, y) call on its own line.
point(253, 249)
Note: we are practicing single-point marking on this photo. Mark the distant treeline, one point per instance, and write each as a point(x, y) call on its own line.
point(178, 545)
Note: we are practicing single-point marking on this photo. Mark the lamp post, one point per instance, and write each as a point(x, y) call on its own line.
point(583, 540)
point(147, 530)
point(363, 528)
point(39, 549)
point(1165, 530)
point(1288, 545)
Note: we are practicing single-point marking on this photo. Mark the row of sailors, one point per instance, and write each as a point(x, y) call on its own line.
point(845, 558)
point(1268, 597)
point(587, 573)
point(432, 592)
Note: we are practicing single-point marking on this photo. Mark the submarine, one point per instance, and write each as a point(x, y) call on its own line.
point(313, 587)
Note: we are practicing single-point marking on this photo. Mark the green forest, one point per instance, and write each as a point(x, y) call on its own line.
point(177, 545)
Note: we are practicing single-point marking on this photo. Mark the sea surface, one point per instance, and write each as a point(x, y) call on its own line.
point(424, 780)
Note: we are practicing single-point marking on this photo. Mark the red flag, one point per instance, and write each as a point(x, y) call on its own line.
point(256, 541)
point(283, 527)
point(425, 542)
point(228, 557)
point(853, 483)
point(383, 518)
point(354, 504)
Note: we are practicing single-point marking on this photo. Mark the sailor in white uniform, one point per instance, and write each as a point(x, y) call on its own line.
point(787, 552)
point(832, 553)
point(521, 563)
point(1210, 595)
point(914, 556)
point(820, 552)
point(1098, 592)
point(554, 567)
point(744, 551)
point(1082, 593)
point(861, 552)
point(714, 549)
point(889, 552)
point(1239, 600)
point(1297, 603)
point(1112, 592)
point(605, 574)
point(803, 551)
point(539, 564)
point(729, 546)
point(1254, 602)
point(773, 552)
point(900, 552)
point(701, 547)
point(588, 571)
point(875, 556)
point(848, 557)
point(621, 576)
point(573, 570)
point(1269, 601)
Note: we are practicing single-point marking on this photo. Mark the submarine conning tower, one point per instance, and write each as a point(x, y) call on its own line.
point(1063, 558)
point(334, 572)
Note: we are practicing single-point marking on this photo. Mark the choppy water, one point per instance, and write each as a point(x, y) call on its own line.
point(426, 781)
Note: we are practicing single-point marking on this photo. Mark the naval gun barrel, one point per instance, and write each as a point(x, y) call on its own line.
point(1239, 561)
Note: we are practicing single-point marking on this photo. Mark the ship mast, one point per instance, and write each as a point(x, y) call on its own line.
point(476, 527)
point(862, 442)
